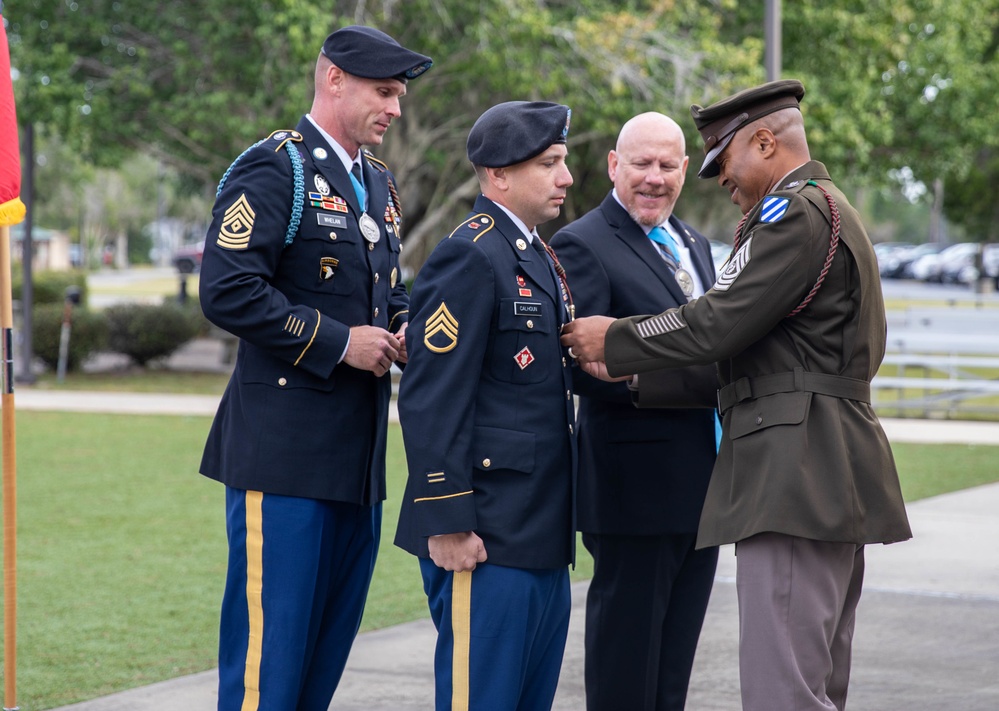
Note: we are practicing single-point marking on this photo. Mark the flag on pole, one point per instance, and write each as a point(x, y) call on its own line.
point(11, 212)
point(11, 207)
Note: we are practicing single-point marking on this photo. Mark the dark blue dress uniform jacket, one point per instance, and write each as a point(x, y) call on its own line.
point(486, 399)
point(292, 421)
point(642, 471)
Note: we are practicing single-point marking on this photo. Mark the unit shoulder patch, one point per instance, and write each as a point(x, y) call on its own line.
point(774, 208)
point(237, 225)
point(734, 266)
point(441, 332)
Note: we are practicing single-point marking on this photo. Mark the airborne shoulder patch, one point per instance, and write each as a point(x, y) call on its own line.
point(734, 267)
point(441, 332)
point(237, 225)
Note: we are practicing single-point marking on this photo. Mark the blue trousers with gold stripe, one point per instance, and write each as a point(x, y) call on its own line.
point(299, 571)
point(500, 636)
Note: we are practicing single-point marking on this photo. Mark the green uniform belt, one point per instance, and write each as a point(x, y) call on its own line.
point(797, 380)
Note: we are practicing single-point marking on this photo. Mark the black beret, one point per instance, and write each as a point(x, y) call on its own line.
point(515, 131)
point(372, 54)
point(719, 122)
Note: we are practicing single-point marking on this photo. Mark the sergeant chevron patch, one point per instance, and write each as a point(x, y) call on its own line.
point(734, 267)
point(441, 332)
point(237, 225)
point(661, 324)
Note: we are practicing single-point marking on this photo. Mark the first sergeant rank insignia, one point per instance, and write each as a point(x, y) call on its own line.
point(237, 225)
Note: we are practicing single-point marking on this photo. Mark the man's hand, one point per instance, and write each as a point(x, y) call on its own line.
point(457, 552)
point(584, 337)
point(371, 348)
point(401, 335)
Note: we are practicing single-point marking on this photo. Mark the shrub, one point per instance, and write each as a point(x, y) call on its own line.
point(145, 332)
point(50, 287)
point(88, 334)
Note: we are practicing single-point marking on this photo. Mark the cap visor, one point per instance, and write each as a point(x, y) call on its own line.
point(709, 168)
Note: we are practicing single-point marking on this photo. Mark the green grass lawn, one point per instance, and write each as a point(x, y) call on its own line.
point(121, 549)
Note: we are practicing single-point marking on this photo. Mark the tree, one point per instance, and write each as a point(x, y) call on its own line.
point(193, 84)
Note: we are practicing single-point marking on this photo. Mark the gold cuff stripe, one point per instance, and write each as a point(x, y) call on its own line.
point(440, 498)
point(461, 630)
point(314, 332)
point(253, 501)
point(395, 317)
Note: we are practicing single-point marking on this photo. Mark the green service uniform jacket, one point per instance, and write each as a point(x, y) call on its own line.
point(803, 452)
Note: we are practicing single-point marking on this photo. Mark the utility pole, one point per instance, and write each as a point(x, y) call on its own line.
point(772, 58)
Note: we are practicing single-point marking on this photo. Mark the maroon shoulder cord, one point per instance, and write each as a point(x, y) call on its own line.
point(833, 245)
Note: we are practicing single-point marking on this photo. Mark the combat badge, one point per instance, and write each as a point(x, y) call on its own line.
point(441, 332)
point(734, 267)
point(322, 185)
point(524, 358)
point(237, 225)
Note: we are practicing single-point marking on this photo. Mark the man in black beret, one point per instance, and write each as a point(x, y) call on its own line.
point(487, 415)
point(302, 264)
point(805, 476)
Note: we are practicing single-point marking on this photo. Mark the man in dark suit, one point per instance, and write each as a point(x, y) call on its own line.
point(302, 264)
point(643, 472)
point(488, 419)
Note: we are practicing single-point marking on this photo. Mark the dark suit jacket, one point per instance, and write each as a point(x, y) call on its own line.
point(292, 420)
point(486, 399)
point(641, 471)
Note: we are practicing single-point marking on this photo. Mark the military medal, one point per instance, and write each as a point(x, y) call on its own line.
point(369, 228)
point(685, 281)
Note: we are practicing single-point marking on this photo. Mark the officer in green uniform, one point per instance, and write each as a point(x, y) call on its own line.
point(805, 475)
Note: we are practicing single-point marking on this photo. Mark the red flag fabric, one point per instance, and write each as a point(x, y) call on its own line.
point(11, 207)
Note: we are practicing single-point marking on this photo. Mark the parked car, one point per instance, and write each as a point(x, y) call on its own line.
point(187, 258)
point(925, 266)
point(890, 255)
point(970, 273)
point(954, 260)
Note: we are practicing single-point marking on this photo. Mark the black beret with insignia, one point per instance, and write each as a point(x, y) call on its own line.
point(515, 131)
point(372, 54)
point(719, 122)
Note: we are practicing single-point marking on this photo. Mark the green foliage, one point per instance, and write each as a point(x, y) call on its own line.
point(49, 287)
point(190, 85)
point(88, 334)
point(145, 332)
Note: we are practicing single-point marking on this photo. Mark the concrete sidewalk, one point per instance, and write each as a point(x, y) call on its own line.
point(898, 430)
